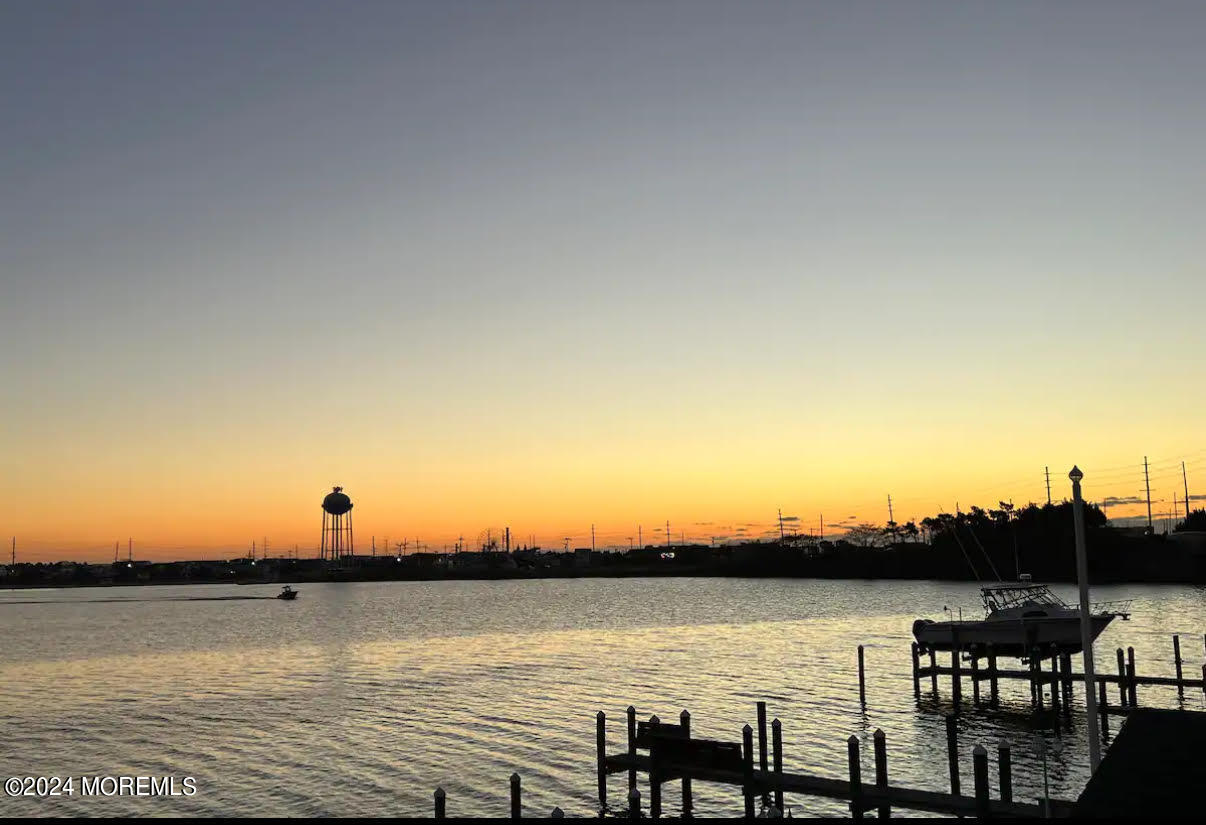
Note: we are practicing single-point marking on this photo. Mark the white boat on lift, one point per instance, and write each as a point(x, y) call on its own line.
point(1018, 618)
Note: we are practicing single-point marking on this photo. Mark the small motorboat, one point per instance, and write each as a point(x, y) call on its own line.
point(287, 593)
point(1020, 617)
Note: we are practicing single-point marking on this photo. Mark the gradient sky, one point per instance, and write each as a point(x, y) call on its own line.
point(549, 264)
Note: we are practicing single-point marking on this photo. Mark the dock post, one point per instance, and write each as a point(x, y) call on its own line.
point(777, 761)
point(1065, 666)
point(1036, 673)
point(980, 777)
point(1204, 678)
point(655, 785)
point(601, 756)
point(975, 674)
point(993, 696)
point(1121, 680)
point(862, 677)
point(916, 671)
point(856, 777)
point(684, 719)
point(1177, 662)
point(516, 808)
point(1005, 771)
point(1055, 682)
point(952, 752)
point(881, 769)
point(747, 769)
point(655, 778)
point(762, 746)
point(933, 672)
point(557, 814)
point(632, 774)
point(1132, 687)
point(956, 677)
point(1103, 707)
point(439, 803)
point(634, 804)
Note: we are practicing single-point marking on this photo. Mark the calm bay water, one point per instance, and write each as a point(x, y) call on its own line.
point(360, 699)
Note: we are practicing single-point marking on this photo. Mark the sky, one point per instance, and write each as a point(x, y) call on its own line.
point(548, 265)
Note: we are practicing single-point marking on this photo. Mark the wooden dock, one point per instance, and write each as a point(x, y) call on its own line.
point(674, 755)
point(981, 667)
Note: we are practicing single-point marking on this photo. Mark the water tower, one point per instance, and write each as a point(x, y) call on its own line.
point(336, 525)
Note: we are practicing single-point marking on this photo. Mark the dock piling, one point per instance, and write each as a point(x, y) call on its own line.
point(856, 777)
point(439, 803)
point(916, 670)
point(993, 696)
point(933, 671)
point(1177, 662)
point(980, 778)
point(975, 675)
point(952, 752)
point(762, 746)
point(557, 814)
point(1055, 684)
point(956, 680)
point(655, 778)
point(881, 769)
point(684, 719)
point(1005, 771)
point(777, 761)
point(747, 769)
point(862, 678)
point(634, 804)
point(1132, 687)
point(601, 756)
point(516, 807)
point(1121, 680)
point(632, 774)
point(1066, 668)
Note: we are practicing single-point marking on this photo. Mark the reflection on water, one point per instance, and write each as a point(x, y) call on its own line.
point(359, 699)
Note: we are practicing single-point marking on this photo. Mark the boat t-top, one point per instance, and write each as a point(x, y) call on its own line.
point(1020, 617)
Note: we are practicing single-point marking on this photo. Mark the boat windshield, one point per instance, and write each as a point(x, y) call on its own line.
point(1003, 597)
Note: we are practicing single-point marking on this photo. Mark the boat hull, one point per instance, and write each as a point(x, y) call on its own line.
point(1011, 637)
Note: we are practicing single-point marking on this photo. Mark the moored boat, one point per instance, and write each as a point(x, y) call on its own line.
point(287, 593)
point(1019, 618)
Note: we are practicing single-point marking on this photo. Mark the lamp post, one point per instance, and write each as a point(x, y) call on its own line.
point(1086, 634)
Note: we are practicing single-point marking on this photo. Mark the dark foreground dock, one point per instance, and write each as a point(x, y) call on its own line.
point(1154, 767)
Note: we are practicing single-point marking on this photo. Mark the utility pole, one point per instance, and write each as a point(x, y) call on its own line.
point(891, 517)
point(1086, 636)
point(781, 536)
point(1147, 482)
point(14, 551)
point(116, 545)
point(1047, 472)
point(508, 542)
point(129, 549)
point(265, 554)
point(1185, 481)
point(667, 533)
point(822, 537)
point(640, 539)
point(592, 538)
point(630, 544)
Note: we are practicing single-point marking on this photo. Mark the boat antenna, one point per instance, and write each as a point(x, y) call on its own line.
point(987, 558)
point(959, 541)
